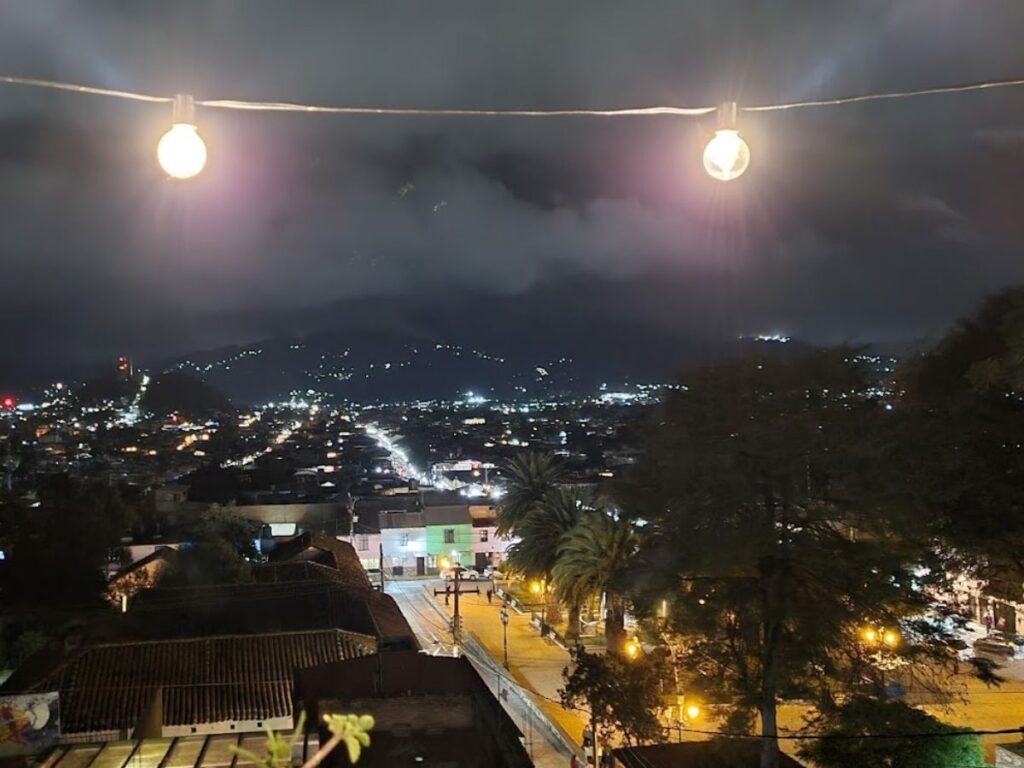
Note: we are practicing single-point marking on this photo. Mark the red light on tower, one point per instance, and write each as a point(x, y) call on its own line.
point(8, 402)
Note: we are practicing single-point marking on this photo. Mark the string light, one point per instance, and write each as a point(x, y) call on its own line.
point(182, 151)
point(727, 155)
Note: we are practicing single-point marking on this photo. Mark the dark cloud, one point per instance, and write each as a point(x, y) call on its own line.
point(867, 222)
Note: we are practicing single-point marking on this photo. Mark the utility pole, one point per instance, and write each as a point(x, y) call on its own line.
point(457, 617)
point(381, 563)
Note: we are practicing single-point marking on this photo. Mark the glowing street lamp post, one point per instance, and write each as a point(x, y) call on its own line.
point(504, 631)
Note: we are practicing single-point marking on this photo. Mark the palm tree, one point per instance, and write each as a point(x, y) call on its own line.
point(532, 476)
point(540, 534)
point(592, 558)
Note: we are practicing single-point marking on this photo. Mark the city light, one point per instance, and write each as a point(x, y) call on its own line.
point(890, 638)
point(444, 563)
point(692, 712)
point(632, 648)
point(8, 402)
point(869, 635)
point(182, 151)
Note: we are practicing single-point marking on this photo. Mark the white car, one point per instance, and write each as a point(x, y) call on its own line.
point(467, 574)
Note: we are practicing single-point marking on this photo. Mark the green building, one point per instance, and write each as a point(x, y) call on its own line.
point(449, 534)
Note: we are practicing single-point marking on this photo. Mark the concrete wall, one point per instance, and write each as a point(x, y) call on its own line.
point(402, 546)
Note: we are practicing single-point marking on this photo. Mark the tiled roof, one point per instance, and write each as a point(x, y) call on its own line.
point(698, 754)
point(245, 677)
point(326, 550)
point(266, 606)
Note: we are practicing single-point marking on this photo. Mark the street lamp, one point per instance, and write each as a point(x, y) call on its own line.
point(504, 631)
point(536, 587)
point(632, 648)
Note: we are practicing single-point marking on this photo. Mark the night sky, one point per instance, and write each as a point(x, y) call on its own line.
point(877, 222)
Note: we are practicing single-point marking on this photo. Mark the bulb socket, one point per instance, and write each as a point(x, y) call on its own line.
point(184, 109)
point(727, 116)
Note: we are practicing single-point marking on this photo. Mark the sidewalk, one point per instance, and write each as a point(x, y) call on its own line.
point(535, 663)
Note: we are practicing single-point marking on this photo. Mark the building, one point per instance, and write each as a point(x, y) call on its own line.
point(217, 659)
point(697, 754)
point(488, 547)
point(449, 535)
point(403, 536)
point(428, 710)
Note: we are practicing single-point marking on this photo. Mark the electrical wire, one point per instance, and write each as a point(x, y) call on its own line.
point(88, 89)
point(649, 111)
point(978, 86)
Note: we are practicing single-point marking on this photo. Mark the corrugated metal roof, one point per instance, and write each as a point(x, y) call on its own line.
point(242, 677)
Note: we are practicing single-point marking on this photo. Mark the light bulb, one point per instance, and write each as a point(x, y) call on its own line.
point(693, 711)
point(181, 151)
point(727, 155)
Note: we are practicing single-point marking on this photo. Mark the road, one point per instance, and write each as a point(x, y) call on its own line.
point(528, 691)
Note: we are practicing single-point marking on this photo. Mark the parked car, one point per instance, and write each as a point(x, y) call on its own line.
point(468, 574)
point(492, 573)
point(998, 647)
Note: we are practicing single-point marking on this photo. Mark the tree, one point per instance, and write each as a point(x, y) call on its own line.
point(765, 546)
point(220, 551)
point(623, 696)
point(874, 719)
point(961, 418)
point(540, 536)
point(532, 476)
point(55, 552)
point(593, 557)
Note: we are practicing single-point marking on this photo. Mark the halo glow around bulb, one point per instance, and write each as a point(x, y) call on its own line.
point(181, 151)
point(727, 155)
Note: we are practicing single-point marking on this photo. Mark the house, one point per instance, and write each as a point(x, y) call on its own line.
point(162, 688)
point(403, 536)
point(449, 534)
point(428, 710)
point(488, 547)
point(721, 753)
point(141, 574)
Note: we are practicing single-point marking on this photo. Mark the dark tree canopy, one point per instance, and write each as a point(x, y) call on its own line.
point(864, 716)
point(761, 539)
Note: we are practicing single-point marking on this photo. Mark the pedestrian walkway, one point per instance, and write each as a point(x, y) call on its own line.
point(534, 662)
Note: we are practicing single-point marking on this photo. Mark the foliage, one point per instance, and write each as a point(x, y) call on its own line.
point(864, 716)
point(593, 557)
point(766, 541)
point(351, 730)
point(532, 476)
point(540, 532)
point(961, 417)
point(622, 695)
point(219, 552)
point(55, 552)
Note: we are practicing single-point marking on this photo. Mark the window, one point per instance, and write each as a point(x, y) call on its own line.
point(403, 540)
point(362, 543)
point(483, 534)
point(449, 535)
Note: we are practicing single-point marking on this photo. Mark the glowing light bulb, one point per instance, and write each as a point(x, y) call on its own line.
point(182, 151)
point(890, 638)
point(693, 711)
point(869, 635)
point(727, 155)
